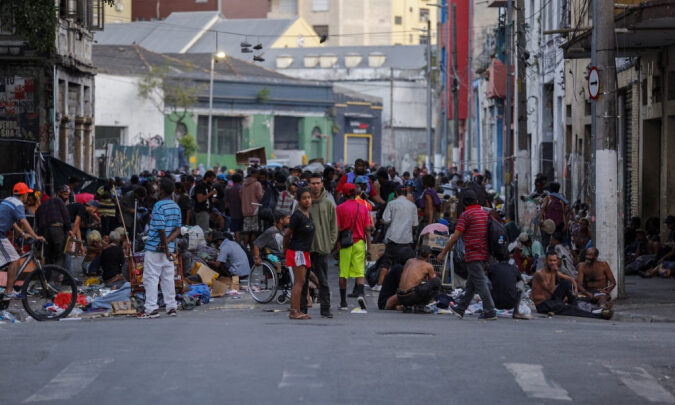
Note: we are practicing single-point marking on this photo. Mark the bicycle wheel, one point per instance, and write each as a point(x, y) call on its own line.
point(41, 289)
point(262, 283)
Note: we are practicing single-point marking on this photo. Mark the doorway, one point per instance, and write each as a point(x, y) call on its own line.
point(651, 169)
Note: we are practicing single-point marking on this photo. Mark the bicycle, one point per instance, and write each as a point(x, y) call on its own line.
point(41, 286)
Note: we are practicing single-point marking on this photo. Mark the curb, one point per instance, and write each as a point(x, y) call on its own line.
point(633, 317)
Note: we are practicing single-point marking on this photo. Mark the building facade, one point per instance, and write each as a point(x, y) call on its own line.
point(144, 10)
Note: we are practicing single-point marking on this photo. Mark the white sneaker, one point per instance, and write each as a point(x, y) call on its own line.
point(377, 288)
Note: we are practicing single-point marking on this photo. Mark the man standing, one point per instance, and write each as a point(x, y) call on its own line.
point(351, 216)
point(595, 278)
point(323, 214)
point(251, 195)
point(350, 178)
point(53, 222)
point(12, 212)
point(202, 200)
point(233, 204)
point(158, 264)
point(401, 215)
point(473, 225)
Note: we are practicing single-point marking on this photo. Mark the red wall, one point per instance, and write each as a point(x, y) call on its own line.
point(463, 32)
point(147, 9)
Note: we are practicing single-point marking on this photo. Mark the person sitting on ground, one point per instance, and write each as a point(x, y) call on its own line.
point(532, 251)
point(112, 262)
point(232, 259)
point(271, 241)
point(419, 283)
point(504, 286)
point(393, 278)
point(566, 258)
point(555, 293)
point(595, 278)
point(92, 257)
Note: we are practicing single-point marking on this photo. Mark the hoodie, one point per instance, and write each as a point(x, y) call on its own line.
point(251, 192)
point(323, 214)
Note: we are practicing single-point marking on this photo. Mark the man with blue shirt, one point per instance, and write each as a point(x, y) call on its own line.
point(12, 212)
point(158, 264)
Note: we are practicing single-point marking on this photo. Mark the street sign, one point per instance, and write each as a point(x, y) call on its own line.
point(593, 83)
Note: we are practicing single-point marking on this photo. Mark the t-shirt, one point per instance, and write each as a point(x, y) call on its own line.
point(303, 232)
point(112, 260)
point(504, 278)
point(474, 223)
point(201, 188)
point(165, 215)
point(272, 239)
point(185, 204)
point(389, 285)
point(234, 258)
point(11, 211)
point(233, 200)
point(346, 219)
point(219, 197)
point(77, 210)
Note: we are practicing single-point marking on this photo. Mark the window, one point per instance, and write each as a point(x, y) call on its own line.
point(398, 20)
point(320, 5)
point(423, 39)
point(226, 134)
point(288, 7)
point(321, 30)
point(286, 133)
point(424, 14)
point(108, 136)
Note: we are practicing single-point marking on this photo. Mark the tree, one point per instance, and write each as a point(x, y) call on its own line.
point(189, 145)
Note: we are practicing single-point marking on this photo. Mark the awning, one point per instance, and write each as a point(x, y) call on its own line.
point(645, 27)
point(61, 171)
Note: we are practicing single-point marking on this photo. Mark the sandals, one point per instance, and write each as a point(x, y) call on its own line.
point(297, 315)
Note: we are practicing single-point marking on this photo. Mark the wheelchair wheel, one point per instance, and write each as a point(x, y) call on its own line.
point(263, 283)
point(281, 298)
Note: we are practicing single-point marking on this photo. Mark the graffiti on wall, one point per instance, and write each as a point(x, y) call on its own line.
point(19, 118)
point(125, 161)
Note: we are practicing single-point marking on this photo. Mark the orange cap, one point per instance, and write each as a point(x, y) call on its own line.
point(21, 189)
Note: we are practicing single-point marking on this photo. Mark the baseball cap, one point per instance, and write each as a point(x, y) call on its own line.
point(21, 189)
point(362, 180)
point(349, 188)
point(669, 219)
point(220, 176)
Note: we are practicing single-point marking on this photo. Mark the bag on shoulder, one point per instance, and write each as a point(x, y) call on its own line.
point(498, 239)
point(346, 235)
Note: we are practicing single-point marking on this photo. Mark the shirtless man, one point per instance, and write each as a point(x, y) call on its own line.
point(418, 284)
point(595, 278)
point(555, 292)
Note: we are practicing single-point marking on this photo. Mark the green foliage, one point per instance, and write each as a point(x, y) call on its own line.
point(189, 145)
point(263, 95)
point(169, 92)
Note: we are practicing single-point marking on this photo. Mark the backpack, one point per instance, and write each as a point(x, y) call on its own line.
point(498, 239)
point(555, 210)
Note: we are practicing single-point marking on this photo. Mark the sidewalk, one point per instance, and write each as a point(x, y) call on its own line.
point(647, 300)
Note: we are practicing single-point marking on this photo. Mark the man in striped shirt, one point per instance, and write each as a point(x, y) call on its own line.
point(473, 226)
point(158, 267)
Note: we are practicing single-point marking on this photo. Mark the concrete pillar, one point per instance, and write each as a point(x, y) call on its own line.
point(88, 145)
point(77, 139)
point(63, 137)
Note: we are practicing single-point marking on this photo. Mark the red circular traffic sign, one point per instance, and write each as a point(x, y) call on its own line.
point(593, 83)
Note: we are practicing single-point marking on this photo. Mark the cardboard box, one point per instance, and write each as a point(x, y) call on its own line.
point(207, 275)
point(435, 242)
point(220, 286)
point(375, 251)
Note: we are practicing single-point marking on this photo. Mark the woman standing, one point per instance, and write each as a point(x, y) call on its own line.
point(297, 243)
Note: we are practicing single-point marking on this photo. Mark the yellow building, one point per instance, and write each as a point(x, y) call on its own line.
point(119, 12)
point(363, 22)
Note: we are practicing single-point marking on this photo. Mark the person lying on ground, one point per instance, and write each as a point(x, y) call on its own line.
point(419, 283)
point(555, 293)
point(504, 286)
point(595, 278)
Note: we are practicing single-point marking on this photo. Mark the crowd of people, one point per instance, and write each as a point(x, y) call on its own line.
point(305, 219)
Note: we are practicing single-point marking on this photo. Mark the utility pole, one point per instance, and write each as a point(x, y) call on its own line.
point(455, 89)
point(468, 136)
point(430, 139)
point(508, 139)
point(604, 126)
point(522, 161)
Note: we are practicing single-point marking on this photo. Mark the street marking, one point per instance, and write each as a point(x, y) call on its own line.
point(534, 383)
point(411, 355)
point(305, 378)
point(643, 384)
point(70, 381)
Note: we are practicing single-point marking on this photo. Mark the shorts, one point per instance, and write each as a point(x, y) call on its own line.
point(236, 224)
point(353, 260)
point(420, 294)
point(297, 258)
point(251, 224)
point(7, 252)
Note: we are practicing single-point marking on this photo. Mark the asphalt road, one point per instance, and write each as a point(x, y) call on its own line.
point(232, 352)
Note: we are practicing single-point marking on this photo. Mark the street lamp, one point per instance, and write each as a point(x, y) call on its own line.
point(220, 55)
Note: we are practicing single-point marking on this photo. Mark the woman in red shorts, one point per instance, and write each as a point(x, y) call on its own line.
point(297, 243)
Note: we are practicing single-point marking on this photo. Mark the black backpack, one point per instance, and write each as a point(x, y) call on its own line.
point(498, 240)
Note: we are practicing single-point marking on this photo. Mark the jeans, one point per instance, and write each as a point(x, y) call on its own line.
point(56, 244)
point(556, 304)
point(477, 283)
point(320, 269)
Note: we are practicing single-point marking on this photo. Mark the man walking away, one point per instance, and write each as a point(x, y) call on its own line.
point(401, 216)
point(324, 216)
point(53, 222)
point(473, 225)
point(351, 216)
point(158, 267)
